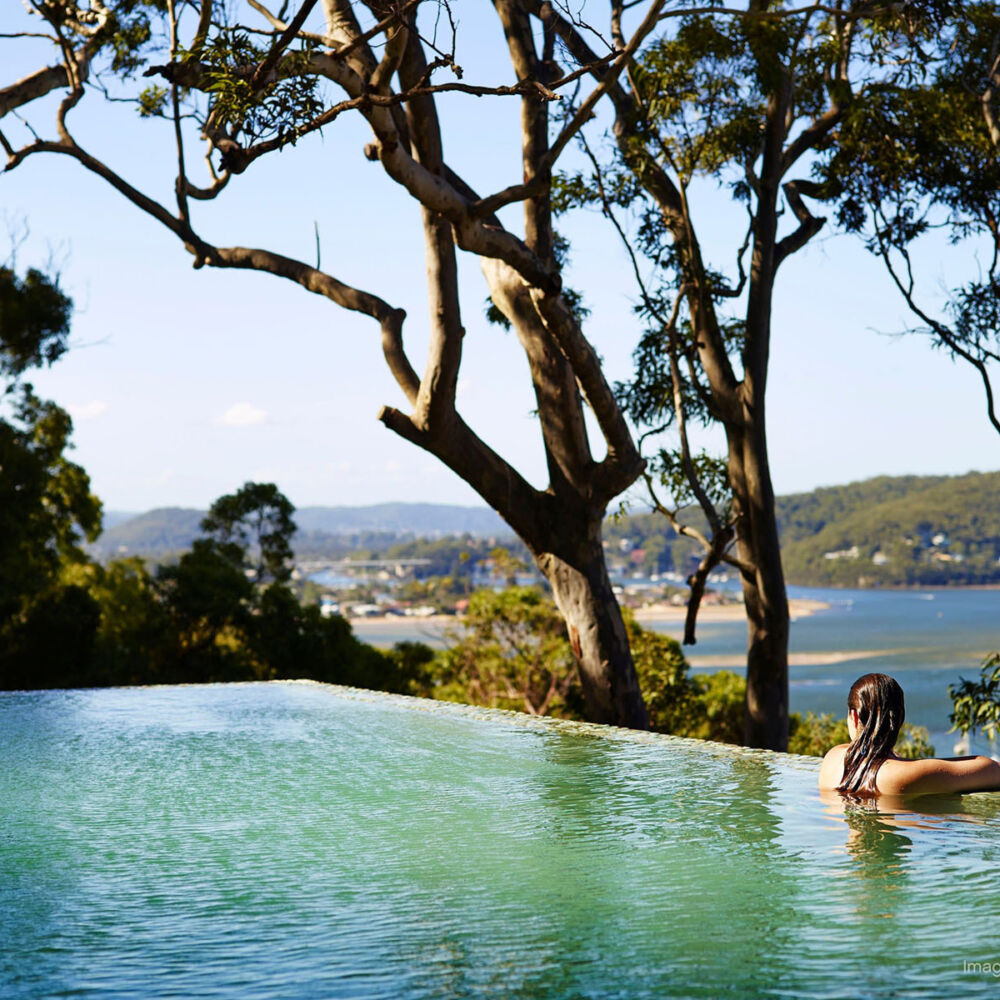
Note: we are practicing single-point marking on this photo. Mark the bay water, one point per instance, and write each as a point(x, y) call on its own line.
point(926, 639)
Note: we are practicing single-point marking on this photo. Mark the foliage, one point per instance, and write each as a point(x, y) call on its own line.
point(257, 519)
point(920, 530)
point(914, 742)
point(34, 323)
point(53, 640)
point(411, 669)
point(672, 697)
point(976, 704)
point(136, 637)
point(507, 564)
point(208, 600)
point(719, 710)
point(898, 517)
point(812, 735)
point(438, 592)
point(199, 619)
point(456, 556)
point(511, 652)
point(46, 507)
point(710, 472)
point(916, 157)
point(272, 110)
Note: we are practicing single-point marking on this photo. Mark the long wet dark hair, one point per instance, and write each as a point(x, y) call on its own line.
point(878, 700)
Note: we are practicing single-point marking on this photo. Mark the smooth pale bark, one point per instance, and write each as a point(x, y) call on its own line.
point(561, 524)
point(736, 401)
point(583, 594)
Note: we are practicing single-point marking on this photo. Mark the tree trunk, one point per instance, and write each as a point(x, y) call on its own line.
point(765, 720)
point(583, 594)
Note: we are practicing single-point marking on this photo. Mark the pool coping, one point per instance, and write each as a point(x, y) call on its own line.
point(549, 724)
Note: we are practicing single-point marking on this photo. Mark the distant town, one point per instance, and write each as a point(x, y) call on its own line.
point(420, 560)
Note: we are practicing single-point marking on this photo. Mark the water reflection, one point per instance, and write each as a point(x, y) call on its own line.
point(264, 835)
point(881, 837)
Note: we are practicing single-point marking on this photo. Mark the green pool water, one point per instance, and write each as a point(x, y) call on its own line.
point(298, 841)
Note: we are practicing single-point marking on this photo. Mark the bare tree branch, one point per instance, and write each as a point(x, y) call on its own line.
point(583, 114)
point(809, 224)
point(989, 96)
point(941, 331)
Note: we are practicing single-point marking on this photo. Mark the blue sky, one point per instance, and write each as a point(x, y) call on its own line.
point(183, 384)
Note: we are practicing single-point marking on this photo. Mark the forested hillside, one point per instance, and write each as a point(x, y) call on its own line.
point(889, 531)
point(901, 531)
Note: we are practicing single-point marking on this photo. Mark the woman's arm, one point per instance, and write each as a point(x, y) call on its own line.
point(963, 774)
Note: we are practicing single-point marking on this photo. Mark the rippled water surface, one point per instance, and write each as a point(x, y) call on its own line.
point(290, 840)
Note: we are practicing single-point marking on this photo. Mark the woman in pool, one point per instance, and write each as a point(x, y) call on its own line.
point(867, 766)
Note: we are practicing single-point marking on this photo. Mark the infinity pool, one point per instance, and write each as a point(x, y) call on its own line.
point(291, 840)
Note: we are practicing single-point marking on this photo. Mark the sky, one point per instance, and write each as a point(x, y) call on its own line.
point(184, 384)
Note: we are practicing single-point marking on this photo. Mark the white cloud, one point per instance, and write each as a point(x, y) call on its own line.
point(242, 415)
point(87, 411)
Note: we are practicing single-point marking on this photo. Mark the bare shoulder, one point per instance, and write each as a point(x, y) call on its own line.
point(831, 771)
point(936, 775)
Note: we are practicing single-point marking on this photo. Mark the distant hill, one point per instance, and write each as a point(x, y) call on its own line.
point(111, 518)
point(154, 534)
point(907, 531)
point(888, 531)
point(424, 519)
point(328, 530)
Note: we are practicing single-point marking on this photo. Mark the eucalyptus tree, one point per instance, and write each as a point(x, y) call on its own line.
point(254, 82)
point(258, 518)
point(752, 97)
point(47, 509)
point(924, 160)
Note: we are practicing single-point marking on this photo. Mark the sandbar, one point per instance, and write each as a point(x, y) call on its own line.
point(711, 614)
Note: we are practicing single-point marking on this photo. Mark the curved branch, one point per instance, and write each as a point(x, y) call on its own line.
point(988, 97)
point(809, 224)
point(623, 463)
point(30, 88)
point(346, 296)
point(244, 258)
point(518, 192)
point(944, 334)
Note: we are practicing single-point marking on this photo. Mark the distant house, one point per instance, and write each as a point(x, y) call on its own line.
point(880, 558)
point(421, 611)
point(851, 553)
point(947, 557)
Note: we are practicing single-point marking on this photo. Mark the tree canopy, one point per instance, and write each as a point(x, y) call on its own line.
point(257, 518)
point(46, 507)
point(764, 99)
point(921, 157)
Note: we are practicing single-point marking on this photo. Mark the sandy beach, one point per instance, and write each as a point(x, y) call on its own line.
point(794, 659)
point(666, 614)
point(712, 614)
